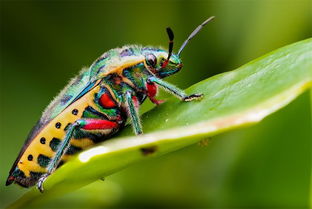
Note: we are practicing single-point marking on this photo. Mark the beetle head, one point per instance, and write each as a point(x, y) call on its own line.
point(163, 63)
point(157, 62)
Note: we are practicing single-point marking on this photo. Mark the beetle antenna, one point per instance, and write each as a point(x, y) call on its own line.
point(194, 33)
point(171, 37)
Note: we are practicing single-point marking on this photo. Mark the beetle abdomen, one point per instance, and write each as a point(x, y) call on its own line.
point(34, 160)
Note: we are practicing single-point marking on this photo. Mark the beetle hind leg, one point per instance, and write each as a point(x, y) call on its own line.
point(92, 125)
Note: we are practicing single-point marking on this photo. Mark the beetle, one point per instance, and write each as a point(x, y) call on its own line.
point(95, 105)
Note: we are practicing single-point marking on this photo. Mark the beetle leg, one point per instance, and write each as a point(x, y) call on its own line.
point(83, 124)
point(152, 91)
point(174, 90)
point(132, 106)
point(156, 101)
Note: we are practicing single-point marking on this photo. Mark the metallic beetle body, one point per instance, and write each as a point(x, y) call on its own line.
point(95, 105)
point(96, 93)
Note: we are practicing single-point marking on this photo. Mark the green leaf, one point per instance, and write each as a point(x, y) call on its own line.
point(232, 100)
point(311, 167)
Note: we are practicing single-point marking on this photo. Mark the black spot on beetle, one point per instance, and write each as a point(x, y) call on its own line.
point(58, 125)
point(54, 143)
point(43, 160)
point(30, 157)
point(73, 150)
point(74, 111)
point(42, 140)
point(35, 175)
point(148, 150)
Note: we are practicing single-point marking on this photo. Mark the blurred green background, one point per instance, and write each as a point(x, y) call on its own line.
point(44, 44)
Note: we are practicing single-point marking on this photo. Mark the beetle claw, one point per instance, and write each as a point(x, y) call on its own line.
point(41, 181)
point(193, 97)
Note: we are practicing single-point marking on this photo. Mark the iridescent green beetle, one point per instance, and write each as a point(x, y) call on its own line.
point(95, 105)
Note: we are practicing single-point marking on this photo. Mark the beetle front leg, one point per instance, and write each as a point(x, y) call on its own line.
point(174, 90)
point(133, 112)
point(152, 92)
point(83, 124)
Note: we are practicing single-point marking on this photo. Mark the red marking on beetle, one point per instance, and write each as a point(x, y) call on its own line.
point(151, 93)
point(106, 101)
point(156, 101)
point(151, 89)
point(94, 124)
point(10, 180)
point(119, 118)
point(165, 64)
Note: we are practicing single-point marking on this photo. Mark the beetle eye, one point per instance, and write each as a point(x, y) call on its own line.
point(151, 60)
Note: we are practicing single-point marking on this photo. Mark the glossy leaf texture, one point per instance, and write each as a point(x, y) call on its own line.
point(231, 100)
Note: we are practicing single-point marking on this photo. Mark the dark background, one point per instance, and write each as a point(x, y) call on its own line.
point(45, 43)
